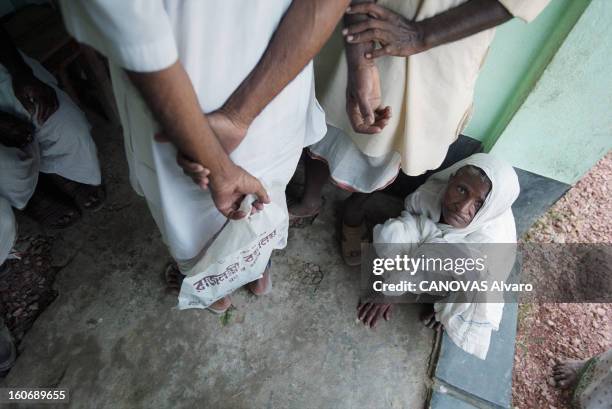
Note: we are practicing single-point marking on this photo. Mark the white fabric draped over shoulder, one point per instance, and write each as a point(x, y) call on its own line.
point(218, 43)
point(469, 325)
point(62, 144)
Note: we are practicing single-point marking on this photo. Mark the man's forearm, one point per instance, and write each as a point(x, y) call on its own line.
point(300, 35)
point(170, 96)
point(463, 21)
point(10, 56)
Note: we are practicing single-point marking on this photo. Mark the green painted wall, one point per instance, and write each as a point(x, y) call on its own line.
point(565, 125)
point(518, 56)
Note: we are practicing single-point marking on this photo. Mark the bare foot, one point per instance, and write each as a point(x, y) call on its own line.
point(263, 285)
point(428, 318)
point(174, 279)
point(565, 373)
point(220, 306)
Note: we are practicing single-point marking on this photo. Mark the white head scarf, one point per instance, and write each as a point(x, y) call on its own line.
point(494, 221)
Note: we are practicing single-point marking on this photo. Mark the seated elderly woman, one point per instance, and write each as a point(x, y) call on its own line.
point(466, 204)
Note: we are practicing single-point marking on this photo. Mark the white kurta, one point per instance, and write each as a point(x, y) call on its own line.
point(218, 43)
point(62, 145)
point(8, 229)
point(430, 94)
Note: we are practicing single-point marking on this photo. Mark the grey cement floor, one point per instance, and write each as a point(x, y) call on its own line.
point(116, 340)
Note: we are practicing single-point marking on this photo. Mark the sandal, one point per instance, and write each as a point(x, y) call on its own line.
point(304, 220)
point(51, 212)
point(253, 286)
point(87, 197)
point(352, 237)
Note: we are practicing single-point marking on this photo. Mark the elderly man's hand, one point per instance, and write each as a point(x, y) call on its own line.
point(15, 132)
point(35, 96)
point(371, 312)
point(363, 100)
point(397, 35)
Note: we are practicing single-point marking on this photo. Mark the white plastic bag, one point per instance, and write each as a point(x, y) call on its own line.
point(239, 253)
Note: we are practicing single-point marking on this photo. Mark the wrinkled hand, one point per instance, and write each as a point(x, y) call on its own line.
point(370, 313)
point(228, 191)
point(35, 96)
point(363, 100)
point(15, 132)
point(397, 35)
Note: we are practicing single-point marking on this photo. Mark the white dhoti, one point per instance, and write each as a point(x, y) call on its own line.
point(62, 145)
point(218, 43)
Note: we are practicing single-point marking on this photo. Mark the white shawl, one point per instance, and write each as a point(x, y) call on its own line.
point(468, 325)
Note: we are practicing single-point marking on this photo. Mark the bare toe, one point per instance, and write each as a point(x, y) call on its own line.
point(565, 373)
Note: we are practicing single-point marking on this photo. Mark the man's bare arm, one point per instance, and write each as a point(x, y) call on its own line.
point(300, 35)
point(462, 21)
point(171, 97)
point(399, 36)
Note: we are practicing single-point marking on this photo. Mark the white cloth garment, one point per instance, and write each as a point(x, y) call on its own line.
point(218, 43)
point(349, 168)
point(62, 145)
point(8, 229)
point(468, 325)
point(430, 94)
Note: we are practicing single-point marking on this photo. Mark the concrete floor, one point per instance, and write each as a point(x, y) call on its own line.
point(116, 340)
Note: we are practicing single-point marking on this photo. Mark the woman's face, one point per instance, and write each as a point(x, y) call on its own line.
point(464, 196)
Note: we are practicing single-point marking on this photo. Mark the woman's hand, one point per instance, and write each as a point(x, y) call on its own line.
point(363, 100)
point(397, 35)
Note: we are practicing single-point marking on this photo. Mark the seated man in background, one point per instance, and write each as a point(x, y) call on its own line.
point(48, 160)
